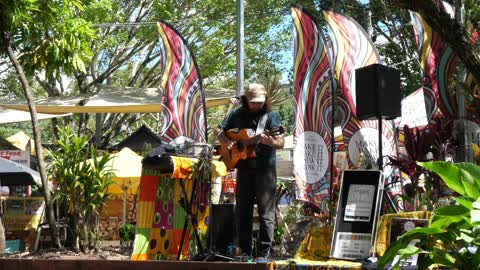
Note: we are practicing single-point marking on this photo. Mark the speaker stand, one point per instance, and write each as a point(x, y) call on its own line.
point(386, 196)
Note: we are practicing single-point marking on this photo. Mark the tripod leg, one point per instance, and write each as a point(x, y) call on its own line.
point(184, 231)
point(186, 206)
point(389, 200)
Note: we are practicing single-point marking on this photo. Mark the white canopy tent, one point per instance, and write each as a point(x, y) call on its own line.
point(112, 100)
point(8, 116)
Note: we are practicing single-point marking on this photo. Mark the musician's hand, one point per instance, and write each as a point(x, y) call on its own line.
point(265, 139)
point(229, 144)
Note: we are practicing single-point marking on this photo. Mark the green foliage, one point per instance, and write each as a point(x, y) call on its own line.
point(295, 212)
point(278, 234)
point(410, 71)
point(82, 185)
point(7, 130)
point(452, 237)
point(286, 112)
point(50, 34)
point(472, 12)
point(10, 88)
point(127, 234)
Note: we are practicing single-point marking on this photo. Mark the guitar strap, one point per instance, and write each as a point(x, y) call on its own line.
point(261, 124)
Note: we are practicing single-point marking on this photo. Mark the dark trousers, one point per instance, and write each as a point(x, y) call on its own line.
point(255, 186)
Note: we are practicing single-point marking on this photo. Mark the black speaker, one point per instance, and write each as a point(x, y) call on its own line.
point(378, 92)
point(221, 230)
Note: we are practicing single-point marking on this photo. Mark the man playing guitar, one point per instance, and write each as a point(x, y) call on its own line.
point(256, 174)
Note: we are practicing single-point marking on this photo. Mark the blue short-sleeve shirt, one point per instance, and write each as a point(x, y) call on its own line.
point(242, 118)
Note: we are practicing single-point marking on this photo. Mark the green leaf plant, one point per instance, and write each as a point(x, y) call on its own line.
point(452, 237)
point(81, 185)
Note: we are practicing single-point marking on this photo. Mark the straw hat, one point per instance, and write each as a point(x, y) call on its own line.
point(256, 93)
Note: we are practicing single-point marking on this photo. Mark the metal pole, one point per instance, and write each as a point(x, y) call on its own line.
point(465, 151)
point(124, 206)
point(380, 143)
point(240, 47)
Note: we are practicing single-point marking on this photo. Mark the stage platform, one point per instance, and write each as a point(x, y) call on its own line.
point(97, 264)
point(302, 264)
point(72, 264)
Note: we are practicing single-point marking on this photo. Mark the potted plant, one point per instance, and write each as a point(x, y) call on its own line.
point(452, 237)
point(424, 188)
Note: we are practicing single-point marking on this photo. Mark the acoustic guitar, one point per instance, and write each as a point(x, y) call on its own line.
point(244, 146)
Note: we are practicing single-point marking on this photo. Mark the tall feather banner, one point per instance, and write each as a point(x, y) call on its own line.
point(313, 111)
point(353, 49)
point(183, 102)
point(437, 61)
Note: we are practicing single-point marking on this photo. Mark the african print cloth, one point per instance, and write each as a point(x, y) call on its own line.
point(161, 216)
point(313, 111)
point(183, 102)
point(316, 244)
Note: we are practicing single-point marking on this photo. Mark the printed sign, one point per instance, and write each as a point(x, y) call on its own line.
point(399, 226)
point(18, 156)
point(359, 203)
point(310, 157)
point(352, 245)
point(22, 213)
point(414, 112)
point(358, 210)
point(363, 149)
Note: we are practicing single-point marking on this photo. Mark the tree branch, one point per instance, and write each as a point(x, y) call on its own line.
point(450, 30)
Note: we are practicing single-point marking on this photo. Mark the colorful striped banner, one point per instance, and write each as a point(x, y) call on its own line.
point(313, 111)
point(353, 49)
point(437, 61)
point(183, 102)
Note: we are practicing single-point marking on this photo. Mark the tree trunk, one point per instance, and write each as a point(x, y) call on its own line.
point(76, 231)
point(3, 243)
point(5, 36)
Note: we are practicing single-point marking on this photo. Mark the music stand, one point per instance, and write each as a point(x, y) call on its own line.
point(187, 206)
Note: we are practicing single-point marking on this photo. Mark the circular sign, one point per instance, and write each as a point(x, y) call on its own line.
point(365, 143)
point(310, 157)
point(409, 226)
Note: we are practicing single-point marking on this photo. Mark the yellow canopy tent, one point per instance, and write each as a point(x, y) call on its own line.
point(127, 167)
point(23, 142)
